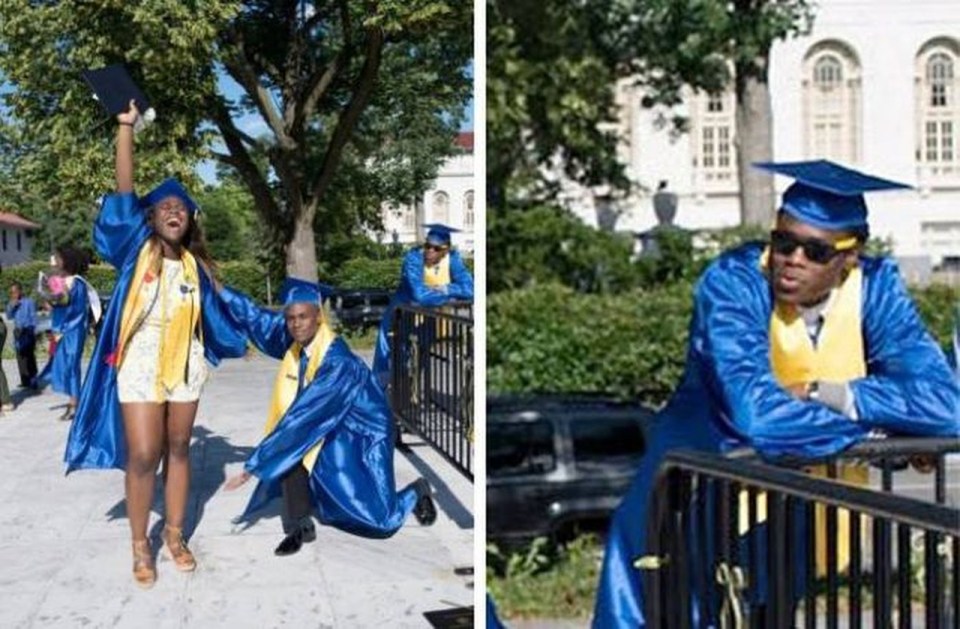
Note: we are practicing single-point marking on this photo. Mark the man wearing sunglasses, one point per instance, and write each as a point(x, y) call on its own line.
point(432, 276)
point(800, 346)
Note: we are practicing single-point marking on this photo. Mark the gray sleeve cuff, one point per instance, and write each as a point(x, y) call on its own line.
point(838, 396)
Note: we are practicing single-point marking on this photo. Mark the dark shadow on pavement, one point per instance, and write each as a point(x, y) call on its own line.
point(209, 455)
point(445, 498)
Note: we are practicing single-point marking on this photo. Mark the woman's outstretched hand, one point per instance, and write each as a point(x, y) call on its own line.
point(131, 115)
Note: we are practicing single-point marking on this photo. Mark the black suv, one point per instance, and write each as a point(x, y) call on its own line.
point(360, 307)
point(557, 464)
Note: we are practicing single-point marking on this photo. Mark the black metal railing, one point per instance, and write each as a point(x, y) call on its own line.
point(737, 542)
point(431, 378)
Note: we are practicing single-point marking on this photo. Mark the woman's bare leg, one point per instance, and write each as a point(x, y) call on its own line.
point(144, 430)
point(178, 426)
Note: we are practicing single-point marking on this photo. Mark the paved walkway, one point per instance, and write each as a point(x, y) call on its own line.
point(65, 556)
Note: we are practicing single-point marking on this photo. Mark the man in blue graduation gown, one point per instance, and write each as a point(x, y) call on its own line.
point(329, 436)
point(801, 346)
point(431, 276)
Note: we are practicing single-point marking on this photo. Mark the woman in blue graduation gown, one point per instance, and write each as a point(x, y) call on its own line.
point(71, 323)
point(431, 276)
point(340, 405)
point(139, 398)
point(733, 392)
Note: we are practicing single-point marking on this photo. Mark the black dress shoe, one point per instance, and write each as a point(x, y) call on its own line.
point(425, 511)
point(292, 542)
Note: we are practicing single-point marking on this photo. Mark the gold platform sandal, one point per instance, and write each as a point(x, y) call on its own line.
point(144, 570)
point(176, 549)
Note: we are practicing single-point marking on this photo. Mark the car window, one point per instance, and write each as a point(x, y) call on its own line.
point(607, 445)
point(520, 449)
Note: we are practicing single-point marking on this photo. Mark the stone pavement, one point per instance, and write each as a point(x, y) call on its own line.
point(65, 556)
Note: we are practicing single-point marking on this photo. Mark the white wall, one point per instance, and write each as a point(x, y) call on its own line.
point(10, 254)
point(455, 178)
point(886, 36)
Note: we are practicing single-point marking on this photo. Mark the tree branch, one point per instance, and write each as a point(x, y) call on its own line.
point(243, 72)
point(240, 159)
point(349, 118)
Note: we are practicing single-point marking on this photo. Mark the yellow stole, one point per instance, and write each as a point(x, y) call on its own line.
point(285, 385)
point(837, 357)
point(175, 336)
point(438, 274)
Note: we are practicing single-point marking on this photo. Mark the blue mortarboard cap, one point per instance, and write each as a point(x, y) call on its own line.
point(169, 188)
point(827, 195)
point(439, 234)
point(297, 291)
point(114, 88)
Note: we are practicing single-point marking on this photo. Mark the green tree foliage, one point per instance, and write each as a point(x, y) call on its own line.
point(229, 222)
point(550, 80)
point(354, 98)
point(545, 244)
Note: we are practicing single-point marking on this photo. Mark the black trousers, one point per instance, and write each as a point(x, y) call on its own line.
point(297, 499)
point(25, 342)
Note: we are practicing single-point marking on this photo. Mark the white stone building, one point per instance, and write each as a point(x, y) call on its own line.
point(875, 85)
point(16, 239)
point(450, 200)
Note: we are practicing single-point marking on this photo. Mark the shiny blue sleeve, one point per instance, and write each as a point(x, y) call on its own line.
point(909, 388)
point(120, 228)
point(223, 338)
point(266, 329)
point(730, 331)
point(319, 408)
point(412, 274)
point(461, 282)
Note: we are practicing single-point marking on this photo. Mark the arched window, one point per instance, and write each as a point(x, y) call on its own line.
point(712, 134)
point(831, 99)
point(468, 211)
point(938, 109)
point(440, 208)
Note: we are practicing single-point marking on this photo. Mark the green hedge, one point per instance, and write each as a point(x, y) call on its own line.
point(367, 273)
point(549, 338)
point(632, 345)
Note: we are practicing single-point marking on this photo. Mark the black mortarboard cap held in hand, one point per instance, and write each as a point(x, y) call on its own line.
point(114, 88)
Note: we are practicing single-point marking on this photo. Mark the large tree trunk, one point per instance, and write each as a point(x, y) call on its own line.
point(302, 250)
point(754, 135)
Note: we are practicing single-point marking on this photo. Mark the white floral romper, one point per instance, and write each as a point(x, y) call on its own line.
point(137, 378)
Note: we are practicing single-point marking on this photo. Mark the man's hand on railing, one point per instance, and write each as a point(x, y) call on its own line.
point(924, 463)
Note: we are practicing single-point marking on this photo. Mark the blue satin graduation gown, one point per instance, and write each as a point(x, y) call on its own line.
point(96, 435)
point(729, 398)
point(352, 482)
point(72, 321)
point(413, 290)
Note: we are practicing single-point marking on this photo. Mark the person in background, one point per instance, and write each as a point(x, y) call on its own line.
point(6, 401)
point(801, 346)
point(432, 275)
point(22, 310)
point(70, 296)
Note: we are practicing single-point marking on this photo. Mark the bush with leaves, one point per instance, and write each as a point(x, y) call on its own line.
point(545, 244)
point(633, 345)
point(367, 273)
point(550, 338)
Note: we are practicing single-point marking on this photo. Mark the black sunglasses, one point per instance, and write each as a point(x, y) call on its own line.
point(814, 249)
point(433, 247)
